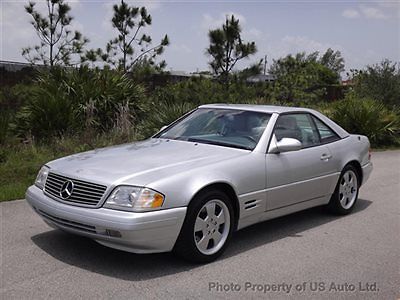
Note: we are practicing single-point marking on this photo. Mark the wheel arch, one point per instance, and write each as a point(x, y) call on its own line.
point(226, 188)
point(356, 164)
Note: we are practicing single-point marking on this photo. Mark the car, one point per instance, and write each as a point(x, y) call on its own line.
point(215, 170)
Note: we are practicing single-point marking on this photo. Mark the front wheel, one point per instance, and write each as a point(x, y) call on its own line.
point(346, 193)
point(207, 228)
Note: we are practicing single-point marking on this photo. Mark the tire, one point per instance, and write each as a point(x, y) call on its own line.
point(207, 229)
point(345, 196)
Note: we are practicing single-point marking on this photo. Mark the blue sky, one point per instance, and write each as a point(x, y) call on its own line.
point(364, 31)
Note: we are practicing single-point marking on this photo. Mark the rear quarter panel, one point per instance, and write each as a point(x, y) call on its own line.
point(352, 148)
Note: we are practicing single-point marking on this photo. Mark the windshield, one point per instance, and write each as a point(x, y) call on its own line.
point(223, 127)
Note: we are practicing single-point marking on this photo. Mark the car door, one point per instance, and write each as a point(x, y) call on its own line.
point(302, 175)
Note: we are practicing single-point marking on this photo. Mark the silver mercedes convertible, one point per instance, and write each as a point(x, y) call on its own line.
point(215, 170)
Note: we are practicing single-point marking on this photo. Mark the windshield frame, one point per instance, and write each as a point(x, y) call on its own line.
point(210, 142)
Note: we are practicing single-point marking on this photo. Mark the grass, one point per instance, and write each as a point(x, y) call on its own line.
point(395, 146)
point(20, 163)
point(19, 168)
point(383, 149)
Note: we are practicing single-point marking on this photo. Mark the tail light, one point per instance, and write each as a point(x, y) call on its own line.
point(369, 154)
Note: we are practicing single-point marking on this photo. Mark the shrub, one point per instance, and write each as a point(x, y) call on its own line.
point(302, 78)
point(368, 117)
point(12, 98)
point(162, 113)
point(4, 123)
point(74, 100)
point(46, 114)
point(380, 82)
point(203, 91)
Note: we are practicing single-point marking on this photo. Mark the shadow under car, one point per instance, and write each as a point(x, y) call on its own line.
point(87, 254)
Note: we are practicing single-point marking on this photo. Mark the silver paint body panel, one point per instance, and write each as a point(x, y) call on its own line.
point(149, 232)
point(266, 185)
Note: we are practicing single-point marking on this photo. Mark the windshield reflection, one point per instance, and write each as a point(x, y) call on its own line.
point(222, 127)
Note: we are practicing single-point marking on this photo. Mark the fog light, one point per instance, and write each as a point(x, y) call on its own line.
point(113, 233)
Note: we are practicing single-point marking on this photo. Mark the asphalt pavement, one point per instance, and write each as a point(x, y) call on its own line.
point(310, 255)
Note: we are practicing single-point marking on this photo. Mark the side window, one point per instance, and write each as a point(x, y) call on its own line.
point(299, 127)
point(327, 135)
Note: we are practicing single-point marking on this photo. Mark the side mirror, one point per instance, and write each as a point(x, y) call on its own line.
point(285, 145)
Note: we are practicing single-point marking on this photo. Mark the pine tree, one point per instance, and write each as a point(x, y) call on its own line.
point(58, 44)
point(227, 48)
point(130, 46)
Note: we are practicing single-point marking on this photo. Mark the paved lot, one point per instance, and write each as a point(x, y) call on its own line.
point(308, 247)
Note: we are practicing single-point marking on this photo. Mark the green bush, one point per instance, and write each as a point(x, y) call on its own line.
point(4, 124)
point(76, 100)
point(203, 91)
point(13, 97)
point(380, 82)
point(302, 78)
point(368, 117)
point(162, 113)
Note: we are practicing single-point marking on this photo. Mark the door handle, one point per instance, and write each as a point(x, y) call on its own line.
point(326, 157)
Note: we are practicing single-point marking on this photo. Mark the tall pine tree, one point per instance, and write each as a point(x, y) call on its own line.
point(58, 43)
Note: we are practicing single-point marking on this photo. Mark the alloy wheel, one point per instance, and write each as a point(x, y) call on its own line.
point(211, 228)
point(348, 189)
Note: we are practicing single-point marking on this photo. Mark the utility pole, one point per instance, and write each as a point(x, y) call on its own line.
point(265, 64)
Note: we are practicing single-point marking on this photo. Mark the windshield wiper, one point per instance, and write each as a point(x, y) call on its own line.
point(218, 143)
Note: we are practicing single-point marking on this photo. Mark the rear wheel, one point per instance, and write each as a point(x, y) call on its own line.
point(207, 228)
point(346, 192)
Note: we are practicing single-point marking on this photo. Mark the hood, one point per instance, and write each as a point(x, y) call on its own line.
point(137, 163)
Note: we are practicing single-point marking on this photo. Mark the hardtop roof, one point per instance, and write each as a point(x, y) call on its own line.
point(258, 108)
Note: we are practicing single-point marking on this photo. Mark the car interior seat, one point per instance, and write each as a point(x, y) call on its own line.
point(286, 127)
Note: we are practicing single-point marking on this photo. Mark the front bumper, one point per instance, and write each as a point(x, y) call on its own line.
point(145, 232)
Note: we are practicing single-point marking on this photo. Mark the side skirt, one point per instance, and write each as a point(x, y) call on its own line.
point(282, 211)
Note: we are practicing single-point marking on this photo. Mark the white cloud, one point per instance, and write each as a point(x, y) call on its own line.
point(106, 23)
point(75, 4)
point(149, 4)
point(372, 12)
point(252, 32)
point(378, 10)
point(210, 22)
point(294, 44)
point(389, 4)
point(351, 14)
point(182, 48)
point(17, 32)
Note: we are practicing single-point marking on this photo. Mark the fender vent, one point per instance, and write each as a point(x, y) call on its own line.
point(250, 204)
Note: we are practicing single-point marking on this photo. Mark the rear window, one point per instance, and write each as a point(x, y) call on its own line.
point(327, 135)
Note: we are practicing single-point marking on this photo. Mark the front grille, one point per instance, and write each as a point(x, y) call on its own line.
point(84, 193)
point(67, 223)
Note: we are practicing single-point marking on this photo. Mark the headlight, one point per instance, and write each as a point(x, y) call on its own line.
point(131, 198)
point(41, 177)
